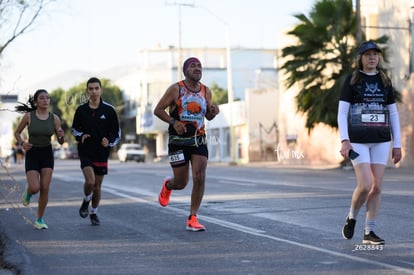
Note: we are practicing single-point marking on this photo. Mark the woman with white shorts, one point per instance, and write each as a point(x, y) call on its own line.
point(368, 122)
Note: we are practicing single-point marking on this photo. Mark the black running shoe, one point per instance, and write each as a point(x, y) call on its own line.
point(94, 219)
point(348, 229)
point(83, 211)
point(371, 238)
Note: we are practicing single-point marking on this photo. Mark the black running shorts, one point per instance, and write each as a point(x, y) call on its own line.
point(181, 155)
point(99, 167)
point(39, 157)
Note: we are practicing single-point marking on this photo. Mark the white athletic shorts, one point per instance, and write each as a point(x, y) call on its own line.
point(373, 153)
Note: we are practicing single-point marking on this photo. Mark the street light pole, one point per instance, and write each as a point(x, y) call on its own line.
point(230, 96)
point(230, 92)
point(180, 52)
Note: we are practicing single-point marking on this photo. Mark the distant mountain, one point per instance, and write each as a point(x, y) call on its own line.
point(66, 80)
point(118, 72)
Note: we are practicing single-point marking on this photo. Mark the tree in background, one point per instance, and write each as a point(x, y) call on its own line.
point(322, 58)
point(55, 96)
point(17, 17)
point(64, 103)
point(219, 94)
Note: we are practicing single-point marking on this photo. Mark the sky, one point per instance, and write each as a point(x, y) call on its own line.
point(95, 35)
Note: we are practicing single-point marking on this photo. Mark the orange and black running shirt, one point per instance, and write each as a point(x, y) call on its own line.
point(190, 110)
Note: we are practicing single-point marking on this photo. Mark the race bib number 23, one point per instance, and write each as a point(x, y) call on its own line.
point(374, 118)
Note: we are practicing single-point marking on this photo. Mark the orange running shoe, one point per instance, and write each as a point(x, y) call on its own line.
point(164, 197)
point(194, 225)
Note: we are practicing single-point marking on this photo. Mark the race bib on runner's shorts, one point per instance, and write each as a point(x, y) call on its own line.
point(176, 157)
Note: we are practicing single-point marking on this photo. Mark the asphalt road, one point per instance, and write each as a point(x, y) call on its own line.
point(260, 219)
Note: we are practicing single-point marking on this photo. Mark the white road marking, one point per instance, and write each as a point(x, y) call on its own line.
point(119, 191)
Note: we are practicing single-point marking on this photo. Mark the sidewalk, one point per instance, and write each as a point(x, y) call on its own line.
point(279, 165)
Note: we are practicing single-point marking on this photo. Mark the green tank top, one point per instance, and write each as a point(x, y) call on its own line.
point(40, 131)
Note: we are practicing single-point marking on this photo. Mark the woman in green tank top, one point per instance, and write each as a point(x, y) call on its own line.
point(39, 162)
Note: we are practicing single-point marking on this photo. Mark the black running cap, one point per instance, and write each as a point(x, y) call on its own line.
point(369, 45)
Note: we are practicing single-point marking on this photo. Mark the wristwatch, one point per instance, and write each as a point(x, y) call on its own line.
point(172, 121)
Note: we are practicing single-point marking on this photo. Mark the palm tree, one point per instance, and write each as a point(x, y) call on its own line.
point(322, 58)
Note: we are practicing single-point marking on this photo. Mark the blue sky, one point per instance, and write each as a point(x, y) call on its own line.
point(94, 35)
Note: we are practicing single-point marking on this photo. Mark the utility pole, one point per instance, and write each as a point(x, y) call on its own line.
point(180, 48)
point(358, 18)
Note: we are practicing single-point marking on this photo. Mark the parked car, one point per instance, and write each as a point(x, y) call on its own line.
point(65, 153)
point(131, 151)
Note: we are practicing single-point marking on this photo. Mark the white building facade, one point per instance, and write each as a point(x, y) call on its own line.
point(395, 20)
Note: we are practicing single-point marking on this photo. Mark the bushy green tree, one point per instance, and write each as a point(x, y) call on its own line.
point(64, 103)
point(219, 94)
